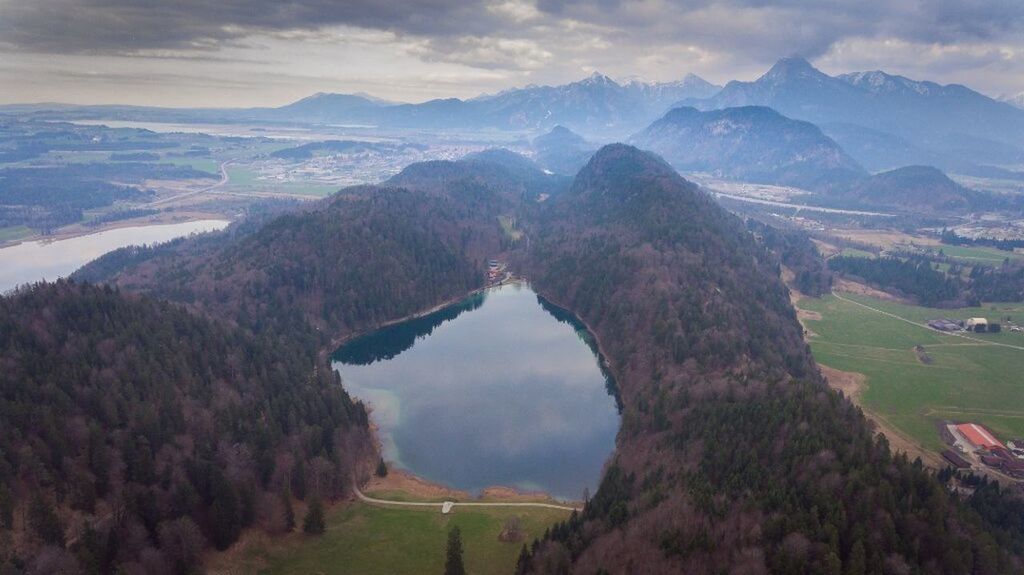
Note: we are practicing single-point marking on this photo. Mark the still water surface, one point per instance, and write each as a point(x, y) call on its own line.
point(500, 389)
point(37, 260)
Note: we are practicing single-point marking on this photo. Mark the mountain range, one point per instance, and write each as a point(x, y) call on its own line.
point(951, 122)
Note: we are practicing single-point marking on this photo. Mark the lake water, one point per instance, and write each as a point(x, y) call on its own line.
point(500, 389)
point(37, 260)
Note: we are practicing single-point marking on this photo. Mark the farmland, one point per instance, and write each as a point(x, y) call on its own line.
point(963, 380)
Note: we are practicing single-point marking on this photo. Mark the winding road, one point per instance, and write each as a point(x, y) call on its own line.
point(445, 506)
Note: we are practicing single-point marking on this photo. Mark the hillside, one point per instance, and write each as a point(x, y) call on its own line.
point(363, 257)
point(136, 433)
point(733, 455)
point(750, 143)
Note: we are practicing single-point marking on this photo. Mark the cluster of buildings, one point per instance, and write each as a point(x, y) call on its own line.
point(974, 324)
point(972, 441)
point(495, 270)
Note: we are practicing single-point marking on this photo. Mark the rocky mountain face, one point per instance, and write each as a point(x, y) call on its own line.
point(750, 143)
point(935, 118)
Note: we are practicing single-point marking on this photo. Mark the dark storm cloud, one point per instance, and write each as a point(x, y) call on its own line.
point(69, 26)
point(808, 27)
point(742, 28)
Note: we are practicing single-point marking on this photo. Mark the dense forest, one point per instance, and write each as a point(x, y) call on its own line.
point(733, 456)
point(366, 256)
point(950, 237)
point(915, 276)
point(797, 252)
point(910, 277)
point(136, 434)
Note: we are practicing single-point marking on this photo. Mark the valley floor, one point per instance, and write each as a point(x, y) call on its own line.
point(911, 391)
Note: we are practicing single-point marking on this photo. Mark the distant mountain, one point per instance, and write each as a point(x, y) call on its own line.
point(749, 143)
point(562, 151)
point(324, 108)
point(877, 150)
point(596, 104)
point(928, 115)
point(913, 188)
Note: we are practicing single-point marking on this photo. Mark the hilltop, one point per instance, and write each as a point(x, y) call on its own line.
point(750, 143)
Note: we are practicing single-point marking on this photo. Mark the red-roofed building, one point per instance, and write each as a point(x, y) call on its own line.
point(978, 436)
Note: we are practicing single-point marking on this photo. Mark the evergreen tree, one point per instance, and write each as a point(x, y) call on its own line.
point(313, 522)
point(45, 523)
point(523, 563)
point(225, 516)
point(453, 562)
point(289, 512)
point(6, 508)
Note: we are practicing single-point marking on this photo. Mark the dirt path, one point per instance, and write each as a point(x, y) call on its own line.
point(451, 504)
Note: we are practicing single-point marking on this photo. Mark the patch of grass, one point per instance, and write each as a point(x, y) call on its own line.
point(15, 233)
point(508, 226)
point(855, 253)
point(966, 380)
point(371, 540)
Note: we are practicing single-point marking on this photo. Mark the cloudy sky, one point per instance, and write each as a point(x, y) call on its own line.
point(269, 52)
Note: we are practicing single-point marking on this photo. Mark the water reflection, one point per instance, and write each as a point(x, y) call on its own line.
point(37, 260)
point(501, 389)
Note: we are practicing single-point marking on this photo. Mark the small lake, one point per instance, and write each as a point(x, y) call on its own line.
point(499, 389)
point(37, 260)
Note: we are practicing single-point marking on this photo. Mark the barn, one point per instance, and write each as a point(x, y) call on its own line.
point(978, 436)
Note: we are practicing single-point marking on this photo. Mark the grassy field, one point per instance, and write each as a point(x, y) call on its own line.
point(976, 255)
point(856, 253)
point(371, 540)
point(966, 380)
point(14, 233)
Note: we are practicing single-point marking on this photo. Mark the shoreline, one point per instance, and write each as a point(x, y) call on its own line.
point(404, 480)
point(79, 230)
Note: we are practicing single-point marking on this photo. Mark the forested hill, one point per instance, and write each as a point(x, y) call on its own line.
point(366, 256)
point(135, 434)
point(506, 174)
point(733, 454)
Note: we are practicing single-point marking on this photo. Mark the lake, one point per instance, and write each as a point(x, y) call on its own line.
point(36, 260)
point(499, 389)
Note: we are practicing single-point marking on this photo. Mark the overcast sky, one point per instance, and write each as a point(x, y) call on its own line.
point(269, 52)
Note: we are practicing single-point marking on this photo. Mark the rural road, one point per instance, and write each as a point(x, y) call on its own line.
point(921, 325)
point(223, 180)
point(798, 207)
point(440, 504)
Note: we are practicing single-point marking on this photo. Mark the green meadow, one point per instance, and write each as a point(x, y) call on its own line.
point(965, 379)
point(371, 540)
